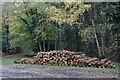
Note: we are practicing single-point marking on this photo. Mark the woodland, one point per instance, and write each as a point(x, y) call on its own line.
point(92, 28)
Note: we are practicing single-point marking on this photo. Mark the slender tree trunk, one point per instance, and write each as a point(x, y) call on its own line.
point(103, 52)
point(87, 46)
point(96, 39)
point(103, 35)
point(55, 44)
point(44, 46)
point(60, 37)
point(40, 48)
point(94, 30)
point(77, 39)
point(56, 39)
point(48, 46)
point(7, 37)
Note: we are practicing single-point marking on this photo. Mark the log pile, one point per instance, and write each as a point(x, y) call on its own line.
point(68, 58)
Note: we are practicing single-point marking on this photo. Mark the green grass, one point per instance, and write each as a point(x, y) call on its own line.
point(9, 60)
point(117, 66)
point(78, 68)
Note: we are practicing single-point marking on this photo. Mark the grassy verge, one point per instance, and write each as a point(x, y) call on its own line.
point(9, 60)
point(117, 66)
point(77, 68)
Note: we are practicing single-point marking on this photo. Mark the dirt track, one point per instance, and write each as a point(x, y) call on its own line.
point(29, 71)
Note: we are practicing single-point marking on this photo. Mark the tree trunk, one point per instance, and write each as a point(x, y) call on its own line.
point(60, 37)
point(87, 46)
point(55, 44)
point(5, 36)
point(44, 46)
point(56, 37)
point(48, 46)
point(94, 30)
point(103, 52)
point(77, 38)
point(40, 48)
point(96, 39)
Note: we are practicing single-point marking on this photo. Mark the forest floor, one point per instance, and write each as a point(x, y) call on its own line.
point(11, 70)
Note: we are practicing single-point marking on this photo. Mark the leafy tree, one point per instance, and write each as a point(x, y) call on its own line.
point(39, 29)
point(67, 15)
point(7, 12)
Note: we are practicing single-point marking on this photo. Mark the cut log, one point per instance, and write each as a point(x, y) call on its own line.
point(67, 58)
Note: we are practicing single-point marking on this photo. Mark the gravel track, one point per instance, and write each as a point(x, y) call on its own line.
point(30, 71)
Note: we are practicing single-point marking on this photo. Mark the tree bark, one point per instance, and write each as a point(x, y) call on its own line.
point(55, 44)
point(96, 39)
point(77, 38)
point(40, 48)
point(48, 46)
point(87, 46)
point(44, 46)
point(60, 37)
point(103, 52)
point(94, 29)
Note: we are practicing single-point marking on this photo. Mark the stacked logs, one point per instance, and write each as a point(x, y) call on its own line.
point(68, 58)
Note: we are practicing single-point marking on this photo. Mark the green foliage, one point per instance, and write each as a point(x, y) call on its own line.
point(69, 14)
point(87, 34)
point(31, 25)
point(65, 25)
point(74, 10)
point(19, 36)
